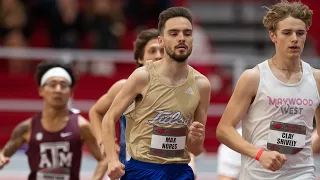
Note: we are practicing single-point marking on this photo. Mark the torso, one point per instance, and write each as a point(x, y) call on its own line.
point(157, 126)
point(55, 154)
point(281, 119)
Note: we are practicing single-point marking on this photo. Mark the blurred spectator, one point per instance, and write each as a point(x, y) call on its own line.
point(14, 30)
point(12, 15)
point(15, 38)
point(67, 25)
point(107, 23)
point(136, 11)
point(106, 26)
point(141, 14)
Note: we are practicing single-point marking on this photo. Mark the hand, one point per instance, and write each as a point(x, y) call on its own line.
point(115, 169)
point(272, 160)
point(3, 160)
point(196, 131)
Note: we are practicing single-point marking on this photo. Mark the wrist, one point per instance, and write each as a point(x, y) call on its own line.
point(259, 153)
point(112, 157)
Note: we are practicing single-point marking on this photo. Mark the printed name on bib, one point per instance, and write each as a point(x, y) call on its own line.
point(286, 138)
point(171, 143)
point(168, 142)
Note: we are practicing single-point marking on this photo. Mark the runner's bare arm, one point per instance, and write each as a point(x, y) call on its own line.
point(204, 89)
point(88, 138)
point(17, 139)
point(315, 142)
point(19, 136)
point(315, 136)
point(192, 164)
point(135, 85)
point(100, 170)
point(100, 108)
point(239, 103)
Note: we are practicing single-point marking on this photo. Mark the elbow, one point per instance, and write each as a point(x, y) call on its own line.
point(315, 143)
point(92, 113)
point(315, 148)
point(96, 115)
point(220, 133)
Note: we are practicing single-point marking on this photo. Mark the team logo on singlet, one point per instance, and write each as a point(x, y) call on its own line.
point(290, 106)
point(39, 136)
point(168, 117)
point(189, 91)
point(55, 161)
point(168, 142)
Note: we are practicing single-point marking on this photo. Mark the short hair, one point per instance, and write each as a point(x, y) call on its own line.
point(44, 66)
point(284, 9)
point(140, 43)
point(172, 13)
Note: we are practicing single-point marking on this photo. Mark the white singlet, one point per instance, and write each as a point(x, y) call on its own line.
point(280, 119)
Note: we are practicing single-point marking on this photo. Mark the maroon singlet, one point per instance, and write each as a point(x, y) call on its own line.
point(55, 155)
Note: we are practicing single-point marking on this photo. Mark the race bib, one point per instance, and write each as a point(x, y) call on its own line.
point(168, 142)
point(54, 174)
point(286, 138)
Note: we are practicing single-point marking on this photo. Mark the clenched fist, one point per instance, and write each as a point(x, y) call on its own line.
point(272, 160)
point(196, 131)
point(115, 169)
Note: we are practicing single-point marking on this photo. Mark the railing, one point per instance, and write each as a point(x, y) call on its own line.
point(238, 62)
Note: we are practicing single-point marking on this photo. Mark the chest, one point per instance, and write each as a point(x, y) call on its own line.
point(182, 99)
